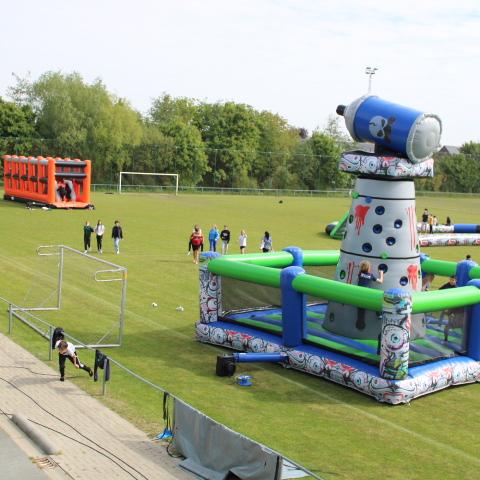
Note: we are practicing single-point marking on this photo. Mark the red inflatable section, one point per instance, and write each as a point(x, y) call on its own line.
point(54, 182)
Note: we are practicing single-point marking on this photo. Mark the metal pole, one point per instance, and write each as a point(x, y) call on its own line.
point(122, 307)
point(370, 71)
point(215, 169)
point(104, 380)
point(50, 336)
point(60, 277)
point(10, 319)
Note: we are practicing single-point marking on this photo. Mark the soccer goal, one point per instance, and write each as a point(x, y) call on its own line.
point(62, 286)
point(148, 182)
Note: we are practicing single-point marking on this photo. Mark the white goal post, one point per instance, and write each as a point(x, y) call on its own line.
point(151, 174)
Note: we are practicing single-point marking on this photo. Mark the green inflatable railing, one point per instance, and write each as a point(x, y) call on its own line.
point(264, 269)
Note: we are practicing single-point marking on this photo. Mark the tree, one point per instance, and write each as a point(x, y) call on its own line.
point(82, 120)
point(231, 135)
point(471, 148)
point(17, 128)
point(459, 173)
point(166, 109)
point(304, 165)
point(316, 163)
point(276, 144)
point(188, 157)
point(334, 130)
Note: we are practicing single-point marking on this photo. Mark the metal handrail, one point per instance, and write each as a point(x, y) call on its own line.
point(108, 279)
point(144, 380)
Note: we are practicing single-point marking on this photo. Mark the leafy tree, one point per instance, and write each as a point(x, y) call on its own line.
point(316, 163)
point(459, 173)
point(231, 135)
point(304, 165)
point(83, 120)
point(471, 148)
point(166, 109)
point(17, 128)
point(276, 144)
point(188, 157)
point(282, 178)
point(334, 130)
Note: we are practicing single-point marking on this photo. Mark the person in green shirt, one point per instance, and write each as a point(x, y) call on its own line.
point(87, 234)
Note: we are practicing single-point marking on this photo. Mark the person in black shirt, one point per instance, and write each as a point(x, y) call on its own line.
point(225, 237)
point(424, 226)
point(62, 192)
point(68, 192)
point(365, 278)
point(452, 283)
point(117, 235)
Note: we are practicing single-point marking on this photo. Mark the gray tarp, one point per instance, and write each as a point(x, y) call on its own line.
point(212, 450)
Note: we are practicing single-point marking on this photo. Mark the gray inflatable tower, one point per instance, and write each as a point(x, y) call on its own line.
point(382, 226)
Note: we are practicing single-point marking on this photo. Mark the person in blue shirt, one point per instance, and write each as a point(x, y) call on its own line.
point(365, 278)
point(213, 236)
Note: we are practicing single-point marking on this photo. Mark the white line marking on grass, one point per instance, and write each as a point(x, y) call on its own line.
point(360, 411)
point(390, 424)
point(86, 293)
point(376, 418)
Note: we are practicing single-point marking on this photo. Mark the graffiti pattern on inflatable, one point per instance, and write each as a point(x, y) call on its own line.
point(444, 374)
point(210, 293)
point(361, 162)
point(396, 324)
point(449, 240)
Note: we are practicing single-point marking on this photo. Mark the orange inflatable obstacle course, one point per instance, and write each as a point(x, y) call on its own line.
point(52, 182)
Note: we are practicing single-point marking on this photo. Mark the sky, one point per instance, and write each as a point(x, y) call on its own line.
point(297, 58)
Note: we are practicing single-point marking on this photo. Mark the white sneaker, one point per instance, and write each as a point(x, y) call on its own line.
point(85, 251)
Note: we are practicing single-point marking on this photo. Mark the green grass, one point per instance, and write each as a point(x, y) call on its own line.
point(332, 430)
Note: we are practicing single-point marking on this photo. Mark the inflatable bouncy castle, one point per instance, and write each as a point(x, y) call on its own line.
point(392, 340)
point(51, 182)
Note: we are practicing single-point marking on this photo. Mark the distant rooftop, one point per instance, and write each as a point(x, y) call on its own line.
point(450, 150)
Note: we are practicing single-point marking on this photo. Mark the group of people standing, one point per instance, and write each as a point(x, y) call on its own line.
point(99, 231)
point(196, 241)
point(429, 221)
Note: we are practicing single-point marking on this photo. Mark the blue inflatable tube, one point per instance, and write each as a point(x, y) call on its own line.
point(466, 228)
point(260, 357)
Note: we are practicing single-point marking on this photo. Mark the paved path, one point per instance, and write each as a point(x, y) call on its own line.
point(138, 456)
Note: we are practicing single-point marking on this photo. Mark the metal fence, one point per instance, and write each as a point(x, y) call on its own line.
point(46, 331)
point(276, 192)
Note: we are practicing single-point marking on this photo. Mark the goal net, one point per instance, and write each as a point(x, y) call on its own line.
point(146, 182)
point(61, 286)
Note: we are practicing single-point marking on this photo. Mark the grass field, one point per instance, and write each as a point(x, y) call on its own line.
point(336, 432)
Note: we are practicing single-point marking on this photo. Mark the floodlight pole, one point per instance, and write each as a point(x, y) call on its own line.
point(370, 71)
